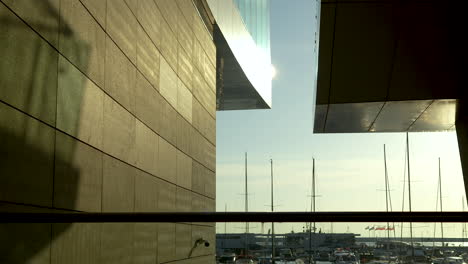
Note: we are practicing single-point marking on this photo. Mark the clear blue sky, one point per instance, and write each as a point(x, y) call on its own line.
point(350, 171)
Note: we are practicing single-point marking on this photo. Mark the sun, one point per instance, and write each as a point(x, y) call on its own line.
point(272, 71)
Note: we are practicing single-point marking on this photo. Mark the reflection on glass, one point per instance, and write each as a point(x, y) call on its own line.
point(343, 243)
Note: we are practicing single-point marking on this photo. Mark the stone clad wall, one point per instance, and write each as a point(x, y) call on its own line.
point(106, 106)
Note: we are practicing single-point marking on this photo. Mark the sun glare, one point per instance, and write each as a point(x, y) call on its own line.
point(273, 71)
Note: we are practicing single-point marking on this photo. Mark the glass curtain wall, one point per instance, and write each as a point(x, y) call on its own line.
point(256, 17)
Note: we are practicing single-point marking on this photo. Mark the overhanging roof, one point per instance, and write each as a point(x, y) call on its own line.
point(388, 66)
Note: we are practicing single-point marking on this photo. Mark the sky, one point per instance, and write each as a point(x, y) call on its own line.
point(349, 167)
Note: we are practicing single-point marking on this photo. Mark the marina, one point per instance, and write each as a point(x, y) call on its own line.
point(338, 248)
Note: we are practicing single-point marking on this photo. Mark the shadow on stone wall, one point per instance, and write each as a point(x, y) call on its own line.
point(29, 159)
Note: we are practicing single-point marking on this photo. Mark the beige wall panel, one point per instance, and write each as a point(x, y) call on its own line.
point(183, 261)
point(203, 93)
point(28, 69)
point(169, 45)
point(183, 240)
point(148, 103)
point(197, 202)
point(196, 139)
point(119, 131)
point(211, 205)
point(204, 260)
point(166, 196)
point(147, 143)
point(184, 170)
point(150, 18)
point(197, 115)
point(167, 163)
point(185, 37)
point(166, 242)
point(198, 56)
point(118, 186)
point(198, 172)
point(210, 50)
point(97, 8)
point(211, 130)
point(168, 83)
point(147, 58)
point(133, 5)
point(168, 118)
point(80, 107)
point(84, 44)
point(210, 184)
point(184, 101)
point(183, 200)
point(209, 155)
point(184, 135)
point(11, 207)
point(145, 243)
point(40, 15)
point(76, 243)
point(120, 76)
point(121, 25)
point(171, 13)
point(204, 122)
point(27, 171)
point(146, 192)
point(197, 81)
point(117, 243)
point(18, 245)
point(185, 68)
point(78, 175)
point(188, 10)
point(199, 30)
point(210, 76)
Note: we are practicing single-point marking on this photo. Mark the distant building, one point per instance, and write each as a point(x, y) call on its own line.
point(297, 242)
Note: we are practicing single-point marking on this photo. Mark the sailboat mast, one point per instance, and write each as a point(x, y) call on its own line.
point(311, 210)
point(386, 189)
point(463, 224)
point(440, 199)
point(313, 198)
point(272, 223)
point(436, 208)
point(409, 194)
point(225, 223)
point(403, 198)
point(246, 206)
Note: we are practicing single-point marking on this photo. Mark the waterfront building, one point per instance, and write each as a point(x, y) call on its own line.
point(110, 106)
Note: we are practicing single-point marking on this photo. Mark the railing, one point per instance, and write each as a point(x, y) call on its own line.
point(350, 217)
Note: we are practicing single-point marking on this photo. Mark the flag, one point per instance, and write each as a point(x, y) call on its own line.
point(372, 228)
point(380, 228)
point(367, 228)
